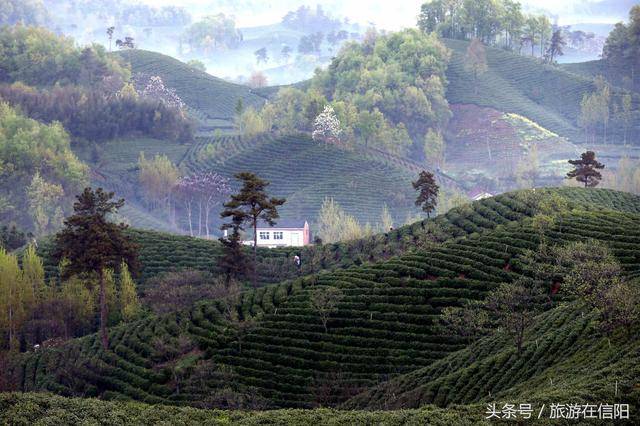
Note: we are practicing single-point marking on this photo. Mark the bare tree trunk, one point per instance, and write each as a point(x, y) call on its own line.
point(103, 312)
point(207, 207)
point(11, 330)
point(189, 215)
point(200, 218)
point(255, 252)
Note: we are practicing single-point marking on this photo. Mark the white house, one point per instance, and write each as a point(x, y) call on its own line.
point(285, 233)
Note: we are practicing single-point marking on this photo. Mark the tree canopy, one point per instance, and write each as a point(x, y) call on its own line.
point(586, 169)
point(427, 191)
point(622, 48)
point(387, 92)
point(211, 33)
point(250, 205)
point(494, 22)
point(90, 244)
point(38, 157)
point(38, 57)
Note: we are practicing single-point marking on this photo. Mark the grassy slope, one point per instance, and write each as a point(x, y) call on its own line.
point(565, 359)
point(385, 325)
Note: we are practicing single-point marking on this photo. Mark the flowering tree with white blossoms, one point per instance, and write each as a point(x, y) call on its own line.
point(326, 126)
point(152, 87)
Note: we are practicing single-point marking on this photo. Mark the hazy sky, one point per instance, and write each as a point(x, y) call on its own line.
point(387, 14)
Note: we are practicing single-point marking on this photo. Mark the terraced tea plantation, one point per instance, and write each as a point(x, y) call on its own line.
point(360, 185)
point(385, 325)
point(565, 358)
point(161, 252)
point(518, 84)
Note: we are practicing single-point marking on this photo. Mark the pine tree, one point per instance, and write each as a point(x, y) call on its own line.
point(233, 262)
point(428, 191)
point(586, 170)
point(92, 244)
point(252, 205)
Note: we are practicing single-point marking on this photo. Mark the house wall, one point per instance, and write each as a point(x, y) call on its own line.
point(290, 237)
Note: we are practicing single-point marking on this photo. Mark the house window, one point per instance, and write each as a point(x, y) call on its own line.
point(264, 235)
point(277, 235)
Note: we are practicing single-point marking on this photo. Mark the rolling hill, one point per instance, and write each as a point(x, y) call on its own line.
point(518, 103)
point(210, 99)
point(305, 172)
point(548, 95)
point(545, 94)
point(163, 252)
point(565, 358)
point(386, 325)
point(299, 169)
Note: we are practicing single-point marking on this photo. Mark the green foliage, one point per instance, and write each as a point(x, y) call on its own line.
point(127, 295)
point(515, 306)
point(251, 206)
point(11, 237)
point(564, 358)
point(386, 92)
point(38, 57)
point(586, 169)
point(334, 224)
point(591, 269)
point(212, 33)
point(44, 205)
point(427, 192)
point(15, 298)
point(496, 22)
point(251, 124)
point(621, 50)
point(157, 177)
point(37, 157)
point(94, 246)
point(34, 408)
point(94, 115)
point(197, 64)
